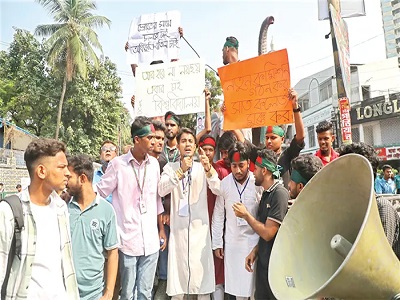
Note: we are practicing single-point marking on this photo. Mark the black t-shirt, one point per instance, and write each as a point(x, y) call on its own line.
point(273, 205)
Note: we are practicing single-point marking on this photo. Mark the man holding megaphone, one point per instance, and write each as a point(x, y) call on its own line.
point(272, 209)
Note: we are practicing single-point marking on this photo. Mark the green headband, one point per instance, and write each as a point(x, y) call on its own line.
point(173, 118)
point(296, 177)
point(265, 163)
point(275, 130)
point(231, 44)
point(144, 131)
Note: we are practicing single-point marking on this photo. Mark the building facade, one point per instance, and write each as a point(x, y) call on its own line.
point(375, 106)
point(391, 27)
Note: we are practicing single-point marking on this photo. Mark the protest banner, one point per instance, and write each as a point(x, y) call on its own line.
point(154, 37)
point(176, 86)
point(256, 91)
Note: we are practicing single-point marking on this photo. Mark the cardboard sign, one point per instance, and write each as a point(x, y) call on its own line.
point(176, 86)
point(154, 37)
point(256, 91)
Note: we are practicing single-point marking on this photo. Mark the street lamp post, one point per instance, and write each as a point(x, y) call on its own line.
point(335, 120)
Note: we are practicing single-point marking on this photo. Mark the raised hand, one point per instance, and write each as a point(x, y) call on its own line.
point(204, 160)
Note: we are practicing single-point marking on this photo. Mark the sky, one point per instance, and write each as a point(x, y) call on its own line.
point(207, 23)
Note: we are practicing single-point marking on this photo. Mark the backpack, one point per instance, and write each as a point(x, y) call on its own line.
point(15, 249)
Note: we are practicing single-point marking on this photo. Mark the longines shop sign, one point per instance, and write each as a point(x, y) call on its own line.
point(375, 110)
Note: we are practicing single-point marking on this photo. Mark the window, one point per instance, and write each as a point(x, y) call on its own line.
point(325, 92)
point(396, 11)
point(366, 92)
point(311, 136)
point(304, 102)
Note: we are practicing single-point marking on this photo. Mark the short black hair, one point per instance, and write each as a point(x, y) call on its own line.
point(18, 186)
point(324, 126)
point(385, 167)
point(226, 140)
point(307, 165)
point(188, 131)
point(159, 126)
point(139, 123)
point(269, 155)
point(41, 148)
point(82, 164)
point(362, 149)
point(240, 147)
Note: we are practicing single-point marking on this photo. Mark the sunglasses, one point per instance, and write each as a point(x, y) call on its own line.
point(111, 148)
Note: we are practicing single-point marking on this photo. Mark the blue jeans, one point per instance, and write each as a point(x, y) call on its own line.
point(163, 258)
point(137, 272)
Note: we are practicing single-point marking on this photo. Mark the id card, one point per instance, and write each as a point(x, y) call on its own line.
point(142, 206)
point(240, 222)
point(183, 208)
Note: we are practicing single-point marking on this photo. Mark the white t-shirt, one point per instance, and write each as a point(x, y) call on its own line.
point(47, 280)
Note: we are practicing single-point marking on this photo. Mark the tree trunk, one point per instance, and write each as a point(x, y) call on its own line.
point(60, 105)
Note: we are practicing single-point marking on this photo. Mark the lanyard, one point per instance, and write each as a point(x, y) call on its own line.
point(237, 187)
point(166, 152)
point(137, 177)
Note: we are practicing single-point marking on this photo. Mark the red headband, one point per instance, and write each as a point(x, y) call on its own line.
point(208, 141)
point(236, 157)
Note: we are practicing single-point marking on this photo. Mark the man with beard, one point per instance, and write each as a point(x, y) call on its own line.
point(93, 233)
point(132, 178)
point(170, 152)
point(190, 262)
point(108, 151)
point(272, 209)
point(159, 136)
point(239, 237)
point(325, 139)
point(304, 167)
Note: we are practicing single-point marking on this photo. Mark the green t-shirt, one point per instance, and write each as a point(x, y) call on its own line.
point(93, 232)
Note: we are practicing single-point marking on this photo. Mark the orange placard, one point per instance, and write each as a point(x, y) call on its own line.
point(256, 91)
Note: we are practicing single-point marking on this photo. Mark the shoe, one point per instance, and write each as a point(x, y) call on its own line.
point(161, 293)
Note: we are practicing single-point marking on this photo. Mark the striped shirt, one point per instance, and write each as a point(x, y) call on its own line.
point(20, 275)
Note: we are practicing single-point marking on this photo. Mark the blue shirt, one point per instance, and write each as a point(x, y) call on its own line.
point(383, 186)
point(93, 231)
point(96, 178)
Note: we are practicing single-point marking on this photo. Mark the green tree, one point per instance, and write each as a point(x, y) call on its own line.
point(214, 85)
point(93, 112)
point(72, 40)
point(27, 87)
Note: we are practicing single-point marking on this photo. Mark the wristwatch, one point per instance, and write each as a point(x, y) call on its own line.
point(298, 109)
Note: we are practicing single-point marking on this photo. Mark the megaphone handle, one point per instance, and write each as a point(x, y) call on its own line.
point(341, 245)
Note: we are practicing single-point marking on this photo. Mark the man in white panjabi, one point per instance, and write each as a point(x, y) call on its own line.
point(240, 238)
point(190, 259)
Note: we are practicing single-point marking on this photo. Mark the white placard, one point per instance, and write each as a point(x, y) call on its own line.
point(348, 9)
point(154, 37)
point(176, 86)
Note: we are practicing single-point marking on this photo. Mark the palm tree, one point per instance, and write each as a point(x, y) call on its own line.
point(71, 39)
